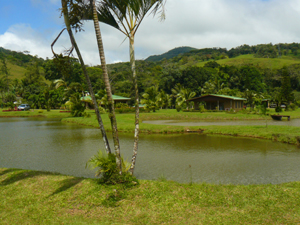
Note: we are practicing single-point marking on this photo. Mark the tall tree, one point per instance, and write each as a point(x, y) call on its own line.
point(5, 71)
point(76, 24)
point(126, 16)
point(286, 89)
point(111, 109)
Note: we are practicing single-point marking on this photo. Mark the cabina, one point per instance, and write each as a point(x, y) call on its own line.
point(219, 102)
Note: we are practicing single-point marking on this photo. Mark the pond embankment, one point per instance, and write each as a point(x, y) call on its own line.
point(261, 129)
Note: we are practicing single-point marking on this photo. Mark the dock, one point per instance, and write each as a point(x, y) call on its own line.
point(279, 117)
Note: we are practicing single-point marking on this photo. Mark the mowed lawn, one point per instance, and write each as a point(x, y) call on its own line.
point(32, 197)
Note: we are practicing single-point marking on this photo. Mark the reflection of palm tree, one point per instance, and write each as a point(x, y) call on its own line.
point(126, 16)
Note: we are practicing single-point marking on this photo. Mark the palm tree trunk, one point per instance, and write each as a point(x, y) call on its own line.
point(100, 122)
point(137, 110)
point(111, 109)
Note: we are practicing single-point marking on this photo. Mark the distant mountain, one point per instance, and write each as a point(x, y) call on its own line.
point(170, 54)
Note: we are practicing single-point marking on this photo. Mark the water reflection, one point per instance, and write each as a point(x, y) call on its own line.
point(50, 145)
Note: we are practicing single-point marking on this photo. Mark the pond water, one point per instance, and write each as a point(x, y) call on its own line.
point(49, 145)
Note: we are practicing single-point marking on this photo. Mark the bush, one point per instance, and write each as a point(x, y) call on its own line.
point(232, 111)
point(108, 171)
point(278, 109)
point(77, 109)
point(202, 108)
point(293, 106)
point(178, 108)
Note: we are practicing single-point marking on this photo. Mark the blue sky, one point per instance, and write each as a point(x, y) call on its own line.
point(32, 25)
point(38, 14)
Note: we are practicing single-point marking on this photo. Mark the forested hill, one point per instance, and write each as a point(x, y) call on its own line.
point(170, 54)
point(261, 70)
point(18, 58)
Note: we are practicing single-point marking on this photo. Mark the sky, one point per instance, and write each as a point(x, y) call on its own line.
point(32, 25)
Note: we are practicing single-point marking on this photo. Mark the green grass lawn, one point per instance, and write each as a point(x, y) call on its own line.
point(32, 197)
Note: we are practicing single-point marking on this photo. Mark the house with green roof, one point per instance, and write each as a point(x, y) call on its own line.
point(219, 102)
point(116, 98)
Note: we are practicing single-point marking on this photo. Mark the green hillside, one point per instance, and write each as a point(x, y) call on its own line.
point(272, 63)
point(15, 71)
point(170, 54)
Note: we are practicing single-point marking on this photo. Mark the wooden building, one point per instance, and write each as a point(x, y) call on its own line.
point(219, 102)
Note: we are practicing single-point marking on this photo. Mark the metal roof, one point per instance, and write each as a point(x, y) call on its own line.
point(219, 96)
point(115, 97)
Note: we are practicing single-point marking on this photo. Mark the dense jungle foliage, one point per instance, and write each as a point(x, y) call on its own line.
point(254, 72)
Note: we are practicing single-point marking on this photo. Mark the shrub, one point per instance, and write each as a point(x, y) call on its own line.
point(293, 106)
point(108, 171)
point(202, 108)
point(178, 108)
point(77, 109)
point(278, 109)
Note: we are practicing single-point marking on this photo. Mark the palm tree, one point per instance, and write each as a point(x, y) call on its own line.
point(151, 98)
point(182, 94)
point(76, 24)
point(126, 16)
point(110, 102)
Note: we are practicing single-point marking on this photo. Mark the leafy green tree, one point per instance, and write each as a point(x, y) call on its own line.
point(286, 89)
point(251, 79)
point(4, 70)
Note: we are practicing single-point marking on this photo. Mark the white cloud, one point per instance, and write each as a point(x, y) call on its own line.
point(195, 23)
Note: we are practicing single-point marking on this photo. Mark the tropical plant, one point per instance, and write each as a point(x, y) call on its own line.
point(78, 107)
point(126, 16)
point(182, 94)
point(108, 170)
point(151, 98)
point(164, 100)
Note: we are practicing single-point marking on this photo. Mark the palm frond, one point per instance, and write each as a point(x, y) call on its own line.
point(105, 15)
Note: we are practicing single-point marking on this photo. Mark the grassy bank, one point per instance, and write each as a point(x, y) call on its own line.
point(285, 134)
point(31, 197)
point(55, 113)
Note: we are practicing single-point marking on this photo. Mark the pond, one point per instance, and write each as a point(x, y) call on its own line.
point(49, 145)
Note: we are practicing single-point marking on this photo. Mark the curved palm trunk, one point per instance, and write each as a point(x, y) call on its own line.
point(100, 122)
point(111, 109)
point(137, 110)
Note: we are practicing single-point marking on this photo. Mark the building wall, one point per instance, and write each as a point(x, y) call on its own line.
point(226, 104)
